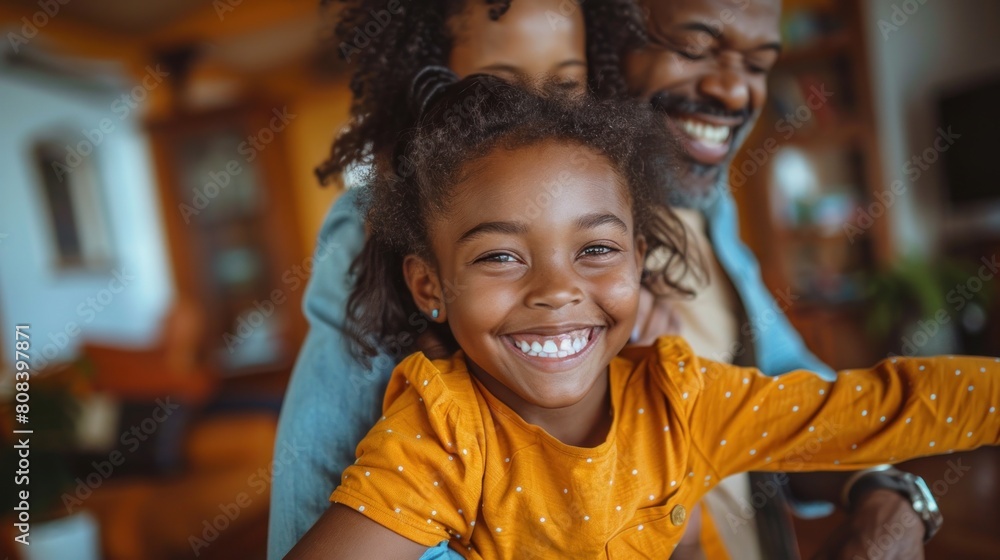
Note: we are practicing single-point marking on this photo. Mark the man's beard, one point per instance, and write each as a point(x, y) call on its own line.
point(699, 184)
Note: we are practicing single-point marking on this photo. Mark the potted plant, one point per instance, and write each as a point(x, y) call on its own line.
point(54, 409)
point(920, 308)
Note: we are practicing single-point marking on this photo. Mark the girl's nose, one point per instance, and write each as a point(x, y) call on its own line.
point(553, 287)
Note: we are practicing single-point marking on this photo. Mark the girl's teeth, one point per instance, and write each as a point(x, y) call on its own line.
point(552, 348)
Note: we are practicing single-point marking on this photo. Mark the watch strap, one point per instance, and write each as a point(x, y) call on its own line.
point(908, 485)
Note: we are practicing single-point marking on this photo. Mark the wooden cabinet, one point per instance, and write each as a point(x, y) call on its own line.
point(230, 220)
point(809, 183)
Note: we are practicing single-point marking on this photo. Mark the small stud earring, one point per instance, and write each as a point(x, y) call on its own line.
point(434, 313)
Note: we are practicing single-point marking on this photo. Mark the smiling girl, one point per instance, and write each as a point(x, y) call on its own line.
point(385, 43)
point(543, 436)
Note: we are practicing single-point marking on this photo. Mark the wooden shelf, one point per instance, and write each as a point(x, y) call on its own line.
point(840, 143)
point(820, 49)
point(847, 132)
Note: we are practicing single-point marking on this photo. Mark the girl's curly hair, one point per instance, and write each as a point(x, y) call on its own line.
point(386, 49)
point(468, 120)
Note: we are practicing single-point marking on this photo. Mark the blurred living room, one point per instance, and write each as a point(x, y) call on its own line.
point(159, 215)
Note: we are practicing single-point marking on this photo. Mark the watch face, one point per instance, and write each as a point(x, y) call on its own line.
point(925, 505)
point(925, 495)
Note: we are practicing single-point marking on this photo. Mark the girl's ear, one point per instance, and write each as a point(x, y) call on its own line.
point(640, 252)
point(422, 280)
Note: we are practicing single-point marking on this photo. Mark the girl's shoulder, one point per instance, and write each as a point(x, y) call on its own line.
point(668, 364)
point(668, 353)
point(419, 470)
point(440, 392)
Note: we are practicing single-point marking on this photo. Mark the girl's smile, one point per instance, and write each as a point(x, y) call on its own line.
point(556, 348)
point(541, 245)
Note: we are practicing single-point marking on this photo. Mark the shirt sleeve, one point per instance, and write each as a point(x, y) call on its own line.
point(419, 471)
point(741, 420)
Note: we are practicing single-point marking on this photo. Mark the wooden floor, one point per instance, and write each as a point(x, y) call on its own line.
point(967, 488)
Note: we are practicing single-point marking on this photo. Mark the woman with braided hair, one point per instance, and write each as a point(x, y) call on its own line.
point(332, 399)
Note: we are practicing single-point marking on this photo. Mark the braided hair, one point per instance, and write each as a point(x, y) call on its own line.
point(388, 41)
point(465, 120)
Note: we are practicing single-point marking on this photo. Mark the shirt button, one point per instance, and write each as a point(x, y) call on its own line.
point(678, 515)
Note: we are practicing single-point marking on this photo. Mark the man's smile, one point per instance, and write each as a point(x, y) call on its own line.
point(704, 127)
point(707, 139)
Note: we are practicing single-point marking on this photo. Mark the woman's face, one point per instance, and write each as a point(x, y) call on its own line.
point(535, 41)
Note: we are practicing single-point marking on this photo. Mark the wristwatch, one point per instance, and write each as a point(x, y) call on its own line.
point(908, 485)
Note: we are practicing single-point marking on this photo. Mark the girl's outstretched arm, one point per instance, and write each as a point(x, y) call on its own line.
point(344, 534)
point(902, 408)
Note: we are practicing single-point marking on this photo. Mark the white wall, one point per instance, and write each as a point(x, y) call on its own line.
point(32, 289)
point(940, 45)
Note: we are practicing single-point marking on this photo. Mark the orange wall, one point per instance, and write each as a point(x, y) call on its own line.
point(320, 113)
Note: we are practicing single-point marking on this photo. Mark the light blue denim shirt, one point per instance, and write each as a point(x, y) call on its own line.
point(332, 401)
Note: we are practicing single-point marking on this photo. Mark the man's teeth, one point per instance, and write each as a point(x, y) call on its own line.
point(555, 346)
point(705, 132)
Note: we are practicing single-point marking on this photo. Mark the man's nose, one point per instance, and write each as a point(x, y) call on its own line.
point(728, 86)
point(552, 287)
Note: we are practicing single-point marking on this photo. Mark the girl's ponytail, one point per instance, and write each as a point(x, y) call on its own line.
point(427, 85)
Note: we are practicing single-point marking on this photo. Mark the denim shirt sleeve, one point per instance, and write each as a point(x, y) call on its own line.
point(331, 401)
point(778, 347)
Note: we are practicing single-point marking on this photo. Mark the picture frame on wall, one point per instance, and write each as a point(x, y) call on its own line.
point(72, 197)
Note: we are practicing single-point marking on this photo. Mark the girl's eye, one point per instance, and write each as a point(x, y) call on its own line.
point(599, 250)
point(497, 258)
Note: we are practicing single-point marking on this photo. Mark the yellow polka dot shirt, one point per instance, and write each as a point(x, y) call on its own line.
point(449, 461)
